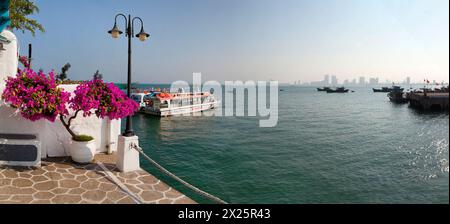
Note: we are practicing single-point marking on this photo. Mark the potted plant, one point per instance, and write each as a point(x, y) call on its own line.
point(37, 96)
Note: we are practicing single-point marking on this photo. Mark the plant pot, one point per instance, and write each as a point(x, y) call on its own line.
point(82, 152)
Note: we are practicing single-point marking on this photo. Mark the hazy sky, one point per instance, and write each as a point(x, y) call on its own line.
point(284, 40)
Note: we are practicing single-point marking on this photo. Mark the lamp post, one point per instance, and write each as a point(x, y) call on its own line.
point(143, 36)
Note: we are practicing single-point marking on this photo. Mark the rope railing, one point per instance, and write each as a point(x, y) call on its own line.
point(168, 173)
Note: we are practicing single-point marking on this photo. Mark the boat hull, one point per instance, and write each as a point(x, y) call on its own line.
point(323, 89)
point(397, 97)
point(181, 110)
point(334, 91)
point(381, 91)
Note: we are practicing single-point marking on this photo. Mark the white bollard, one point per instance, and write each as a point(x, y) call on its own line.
point(127, 156)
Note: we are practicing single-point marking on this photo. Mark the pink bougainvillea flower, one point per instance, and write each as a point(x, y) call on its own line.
point(36, 95)
point(103, 100)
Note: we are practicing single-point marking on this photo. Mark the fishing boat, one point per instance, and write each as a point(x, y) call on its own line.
point(338, 90)
point(382, 90)
point(324, 89)
point(163, 104)
point(397, 95)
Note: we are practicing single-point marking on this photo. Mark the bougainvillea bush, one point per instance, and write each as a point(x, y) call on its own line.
point(37, 96)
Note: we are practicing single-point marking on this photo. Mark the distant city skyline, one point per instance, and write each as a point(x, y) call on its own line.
point(247, 40)
point(333, 80)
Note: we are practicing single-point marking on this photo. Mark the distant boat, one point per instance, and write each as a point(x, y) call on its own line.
point(382, 90)
point(324, 89)
point(338, 90)
point(396, 95)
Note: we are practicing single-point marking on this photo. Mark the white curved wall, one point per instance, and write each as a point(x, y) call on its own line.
point(9, 58)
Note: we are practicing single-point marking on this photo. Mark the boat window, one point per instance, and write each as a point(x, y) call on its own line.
point(164, 104)
point(147, 97)
point(136, 98)
point(176, 103)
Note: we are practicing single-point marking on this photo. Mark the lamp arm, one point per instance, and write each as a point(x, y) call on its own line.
point(142, 24)
point(126, 21)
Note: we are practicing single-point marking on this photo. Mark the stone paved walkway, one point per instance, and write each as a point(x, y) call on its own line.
point(59, 181)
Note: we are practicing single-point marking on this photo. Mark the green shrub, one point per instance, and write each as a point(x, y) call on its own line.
point(83, 138)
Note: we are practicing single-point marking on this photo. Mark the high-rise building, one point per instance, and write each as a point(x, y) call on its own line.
point(346, 82)
point(374, 81)
point(362, 81)
point(408, 80)
point(326, 80)
point(334, 80)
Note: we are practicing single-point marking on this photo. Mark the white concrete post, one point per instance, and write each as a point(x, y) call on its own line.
point(127, 157)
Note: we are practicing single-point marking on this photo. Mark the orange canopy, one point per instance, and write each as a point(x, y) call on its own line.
point(164, 96)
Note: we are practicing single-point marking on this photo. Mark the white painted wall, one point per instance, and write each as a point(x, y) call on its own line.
point(54, 137)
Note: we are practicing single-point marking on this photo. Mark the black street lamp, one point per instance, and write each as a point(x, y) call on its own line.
point(143, 36)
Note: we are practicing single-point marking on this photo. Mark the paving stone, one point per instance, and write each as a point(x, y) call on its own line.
point(41, 202)
point(68, 176)
point(66, 199)
point(126, 200)
point(25, 175)
point(116, 195)
point(133, 182)
point(4, 197)
point(95, 196)
point(76, 191)
point(69, 184)
point(90, 185)
point(61, 171)
point(151, 195)
point(107, 187)
point(172, 194)
point(38, 179)
point(49, 168)
point(5, 182)
point(93, 174)
point(45, 186)
point(37, 172)
point(10, 174)
point(43, 195)
point(77, 171)
point(60, 190)
point(22, 183)
point(28, 190)
point(145, 187)
point(9, 190)
point(129, 175)
point(148, 179)
point(54, 175)
point(165, 201)
point(23, 199)
point(161, 187)
point(81, 178)
point(133, 188)
point(184, 200)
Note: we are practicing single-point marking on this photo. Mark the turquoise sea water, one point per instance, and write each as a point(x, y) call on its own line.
point(327, 148)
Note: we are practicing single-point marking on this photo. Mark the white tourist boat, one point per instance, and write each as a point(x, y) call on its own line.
point(171, 104)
